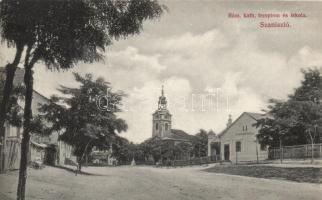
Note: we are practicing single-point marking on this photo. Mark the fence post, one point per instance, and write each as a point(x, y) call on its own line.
point(274, 154)
point(320, 150)
point(282, 154)
point(306, 151)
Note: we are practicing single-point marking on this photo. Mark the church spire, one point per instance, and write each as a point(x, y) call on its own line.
point(162, 104)
point(162, 91)
point(230, 120)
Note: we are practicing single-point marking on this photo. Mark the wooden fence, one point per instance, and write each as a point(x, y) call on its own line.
point(9, 155)
point(295, 152)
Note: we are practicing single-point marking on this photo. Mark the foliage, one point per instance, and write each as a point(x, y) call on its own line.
point(298, 120)
point(123, 150)
point(200, 144)
point(14, 113)
point(81, 122)
point(61, 33)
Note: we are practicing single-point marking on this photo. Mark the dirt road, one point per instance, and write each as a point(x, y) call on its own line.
point(146, 183)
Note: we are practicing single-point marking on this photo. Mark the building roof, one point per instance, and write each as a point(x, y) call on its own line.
point(177, 134)
point(255, 116)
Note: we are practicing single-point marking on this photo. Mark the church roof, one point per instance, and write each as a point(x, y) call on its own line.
point(177, 134)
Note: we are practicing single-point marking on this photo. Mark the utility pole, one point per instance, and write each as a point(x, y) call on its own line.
point(281, 150)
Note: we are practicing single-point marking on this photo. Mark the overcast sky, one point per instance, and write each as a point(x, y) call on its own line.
point(195, 50)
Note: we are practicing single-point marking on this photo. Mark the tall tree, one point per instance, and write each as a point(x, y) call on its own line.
point(83, 123)
point(298, 120)
point(310, 88)
point(62, 33)
point(13, 116)
point(14, 34)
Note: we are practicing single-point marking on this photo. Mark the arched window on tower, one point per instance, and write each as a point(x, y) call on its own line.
point(156, 126)
point(166, 126)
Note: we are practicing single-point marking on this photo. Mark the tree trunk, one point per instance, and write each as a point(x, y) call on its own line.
point(79, 166)
point(312, 146)
point(10, 73)
point(281, 150)
point(312, 158)
point(28, 79)
point(257, 161)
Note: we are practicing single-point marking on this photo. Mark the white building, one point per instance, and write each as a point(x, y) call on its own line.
point(238, 143)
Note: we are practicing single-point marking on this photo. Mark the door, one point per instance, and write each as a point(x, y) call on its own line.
point(226, 152)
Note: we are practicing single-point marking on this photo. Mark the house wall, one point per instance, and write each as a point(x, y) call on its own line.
point(247, 138)
point(10, 149)
point(64, 150)
point(36, 154)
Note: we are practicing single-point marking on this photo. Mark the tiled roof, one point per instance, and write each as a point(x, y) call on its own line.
point(177, 134)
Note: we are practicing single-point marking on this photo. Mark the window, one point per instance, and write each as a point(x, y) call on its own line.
point(263, 147)
point(156, 126)
point(246, 128)
point(13, 131)
point(238, 146)
point(166, 127)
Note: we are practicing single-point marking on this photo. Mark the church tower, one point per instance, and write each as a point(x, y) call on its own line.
point(161, 118)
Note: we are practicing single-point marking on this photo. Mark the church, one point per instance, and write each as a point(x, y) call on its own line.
point(162, 124)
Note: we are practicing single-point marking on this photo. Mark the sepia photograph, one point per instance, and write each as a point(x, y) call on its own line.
point(160, 99)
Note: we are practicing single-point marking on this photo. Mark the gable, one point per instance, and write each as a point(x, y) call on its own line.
point(243, 125)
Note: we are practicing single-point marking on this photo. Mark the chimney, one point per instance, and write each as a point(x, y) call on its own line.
point(230, 121)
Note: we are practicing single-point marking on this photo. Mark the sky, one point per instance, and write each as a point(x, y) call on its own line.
point(210, 65)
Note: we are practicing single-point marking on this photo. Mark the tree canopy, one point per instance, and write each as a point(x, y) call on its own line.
point(200, 143)
point(79, 119)
point(297, 120)
point(61, 33)
point(14, 114)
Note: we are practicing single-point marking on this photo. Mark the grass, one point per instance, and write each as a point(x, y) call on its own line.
point(299, 174)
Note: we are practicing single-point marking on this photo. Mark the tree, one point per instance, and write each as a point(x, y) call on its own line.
point(82, 123)
point(310, 118)
point(11, 31)
point(200, 143)
point(152, 148)
point(13, 115)
point(62, 33)
point(298, 120)
point(124, 150)
point(311, 87)
point(182, 150)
